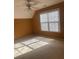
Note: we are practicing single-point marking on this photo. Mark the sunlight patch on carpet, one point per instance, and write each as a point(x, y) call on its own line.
point(27, 46)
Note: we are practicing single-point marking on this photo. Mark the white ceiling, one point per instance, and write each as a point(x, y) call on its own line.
point(21, 11)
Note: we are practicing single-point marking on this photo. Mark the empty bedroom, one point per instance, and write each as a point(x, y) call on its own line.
point(38, 29)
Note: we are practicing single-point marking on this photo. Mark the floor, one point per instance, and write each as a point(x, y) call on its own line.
point(38, 48)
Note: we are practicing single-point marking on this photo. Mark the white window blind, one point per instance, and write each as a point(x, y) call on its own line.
point(50, 21)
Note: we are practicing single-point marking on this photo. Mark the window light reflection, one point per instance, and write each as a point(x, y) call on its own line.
point(27, 46)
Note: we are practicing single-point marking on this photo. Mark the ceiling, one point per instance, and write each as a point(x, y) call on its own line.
point(21, 11)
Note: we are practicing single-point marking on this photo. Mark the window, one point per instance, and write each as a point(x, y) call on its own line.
point(50, 21)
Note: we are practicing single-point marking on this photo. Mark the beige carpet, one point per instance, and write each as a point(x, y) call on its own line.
point(39, 48)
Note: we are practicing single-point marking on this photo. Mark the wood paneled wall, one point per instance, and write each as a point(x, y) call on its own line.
point(36, 22)
point(22, 27)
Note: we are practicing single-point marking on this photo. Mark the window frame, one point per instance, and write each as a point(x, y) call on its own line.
point(49, 11)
